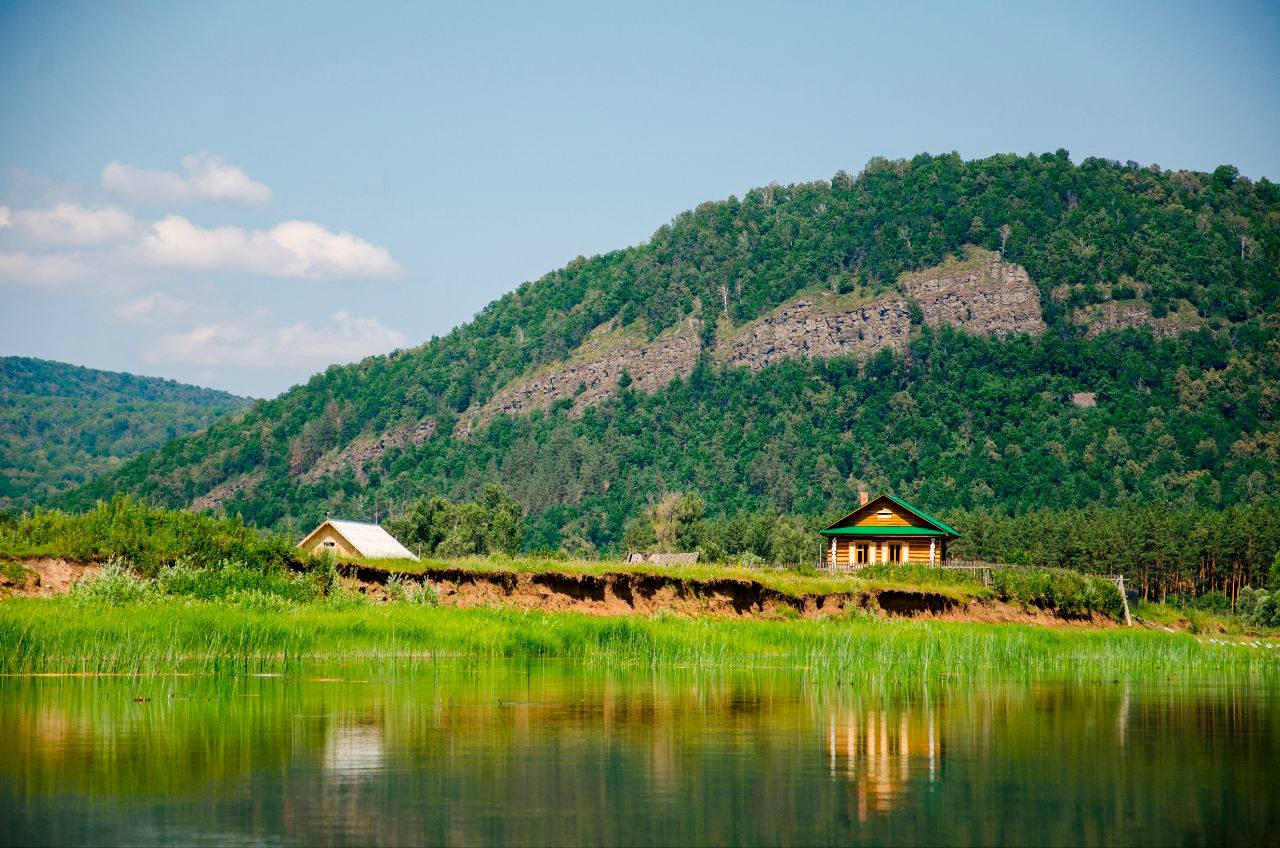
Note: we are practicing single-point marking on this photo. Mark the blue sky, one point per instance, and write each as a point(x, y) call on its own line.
point(240, 194)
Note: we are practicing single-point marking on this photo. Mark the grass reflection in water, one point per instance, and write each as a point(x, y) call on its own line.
point(549, 753)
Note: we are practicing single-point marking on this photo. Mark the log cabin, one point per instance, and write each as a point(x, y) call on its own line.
point(886, 529)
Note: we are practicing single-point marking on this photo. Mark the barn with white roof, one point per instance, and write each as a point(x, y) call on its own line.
point(354, 539)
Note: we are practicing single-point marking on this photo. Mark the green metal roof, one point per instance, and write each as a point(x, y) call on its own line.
point(883, 531)
point(935, 522)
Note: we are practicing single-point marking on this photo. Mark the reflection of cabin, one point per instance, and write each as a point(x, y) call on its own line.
point(886, 529)
point(354, 539)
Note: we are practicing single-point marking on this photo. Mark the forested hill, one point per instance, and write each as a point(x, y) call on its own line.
point(61, 424)
point(1007, 332)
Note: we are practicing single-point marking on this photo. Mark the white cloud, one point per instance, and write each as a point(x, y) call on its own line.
point(153, 309)
point(38, 271)
point(252, 343)
point(4, 216)
point(69, 223)
point(208, 177)
point(291, 249)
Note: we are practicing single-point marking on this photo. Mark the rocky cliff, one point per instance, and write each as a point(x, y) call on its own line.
point(226, 490)
point(367, 449)
point(979, 293)
point(819, 326)
point(591, 375)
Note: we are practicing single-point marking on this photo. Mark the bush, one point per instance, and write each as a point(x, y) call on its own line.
point(226, 578)
point(1064, 591)
point(1258, 607)
point(150, 539)
point(425, 595)
point(115, 585)
point(1209, 602)
point(394, 587)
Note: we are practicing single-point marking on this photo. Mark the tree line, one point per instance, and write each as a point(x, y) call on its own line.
point(1161, 551)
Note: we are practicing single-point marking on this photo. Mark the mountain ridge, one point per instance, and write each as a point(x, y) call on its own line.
point(61, 424)
point(1076, 236)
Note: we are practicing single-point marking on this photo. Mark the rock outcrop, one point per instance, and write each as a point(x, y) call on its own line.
point(226, 490)
point(1115, 315)
point(980, 294)
point(591, 375)
point(818, 326)
point(366, 449)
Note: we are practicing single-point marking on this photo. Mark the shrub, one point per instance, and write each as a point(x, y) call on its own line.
point(394, 587)
point(425, 595)
point(1247, 602)
point(1067, 592)
point(115, 585)
point(324, 573)
point(1258, 607)
point(149, 538)
point(225, 578)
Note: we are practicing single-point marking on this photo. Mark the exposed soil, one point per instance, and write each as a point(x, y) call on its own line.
point(624, 592)
point(613, 593)
point(44, 577)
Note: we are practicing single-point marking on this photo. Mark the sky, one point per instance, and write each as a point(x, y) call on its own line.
point(239, 195)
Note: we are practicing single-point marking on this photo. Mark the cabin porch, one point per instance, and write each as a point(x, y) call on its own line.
point(860, 551)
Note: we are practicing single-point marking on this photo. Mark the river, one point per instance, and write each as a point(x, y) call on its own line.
point(546, 754)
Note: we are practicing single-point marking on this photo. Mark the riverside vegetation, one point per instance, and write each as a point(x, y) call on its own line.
point(188, 592)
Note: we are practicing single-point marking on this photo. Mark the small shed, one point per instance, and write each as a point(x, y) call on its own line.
point(354, 539)
point(886, 529)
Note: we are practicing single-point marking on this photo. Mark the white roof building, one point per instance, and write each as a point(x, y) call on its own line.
point(355, 538)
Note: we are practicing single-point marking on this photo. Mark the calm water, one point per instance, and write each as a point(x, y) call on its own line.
point(547, 755)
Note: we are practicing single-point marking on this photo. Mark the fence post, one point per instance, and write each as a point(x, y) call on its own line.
point(1124, 600)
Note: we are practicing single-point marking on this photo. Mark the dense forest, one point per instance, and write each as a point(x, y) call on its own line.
point(1081, 415)
point(62, 424)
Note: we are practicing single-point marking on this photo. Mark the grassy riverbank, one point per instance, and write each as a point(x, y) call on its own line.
point(66, 635)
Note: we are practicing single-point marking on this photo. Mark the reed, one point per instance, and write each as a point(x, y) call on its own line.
point(63, 635)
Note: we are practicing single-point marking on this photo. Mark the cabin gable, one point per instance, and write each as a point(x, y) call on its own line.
point(882, 511)
point(326, 538)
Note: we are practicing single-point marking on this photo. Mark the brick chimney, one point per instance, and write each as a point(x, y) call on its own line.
point(862, 497)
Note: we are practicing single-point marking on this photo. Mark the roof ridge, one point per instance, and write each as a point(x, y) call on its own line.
point(941, 525)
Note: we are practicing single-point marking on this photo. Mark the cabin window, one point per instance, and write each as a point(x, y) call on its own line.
point(884, 513)
point(329, 543)
point(863, 551)
point(895, 553)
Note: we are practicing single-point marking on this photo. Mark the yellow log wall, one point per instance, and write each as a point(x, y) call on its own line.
point(316, 544)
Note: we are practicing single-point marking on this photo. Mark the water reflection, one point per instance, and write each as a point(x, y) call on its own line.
point(879, 754)
point(548, 755)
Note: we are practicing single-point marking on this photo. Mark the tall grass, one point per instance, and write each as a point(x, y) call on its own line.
point(69, 636)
